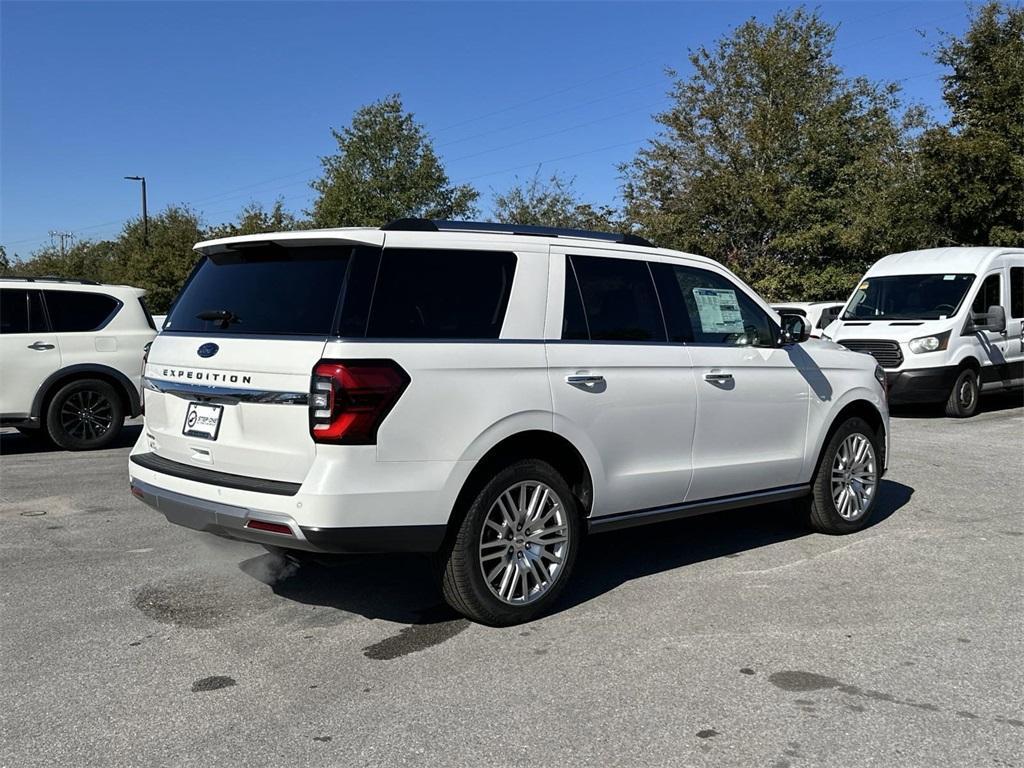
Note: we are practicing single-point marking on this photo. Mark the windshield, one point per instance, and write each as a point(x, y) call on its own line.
point(908, 297)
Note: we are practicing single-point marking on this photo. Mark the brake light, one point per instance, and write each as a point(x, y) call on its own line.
point(349, 399)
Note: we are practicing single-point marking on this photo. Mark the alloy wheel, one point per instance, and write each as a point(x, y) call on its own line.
point(86, 415)
point(854, 477)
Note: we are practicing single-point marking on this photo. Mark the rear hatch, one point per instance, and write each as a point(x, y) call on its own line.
point(228, 380)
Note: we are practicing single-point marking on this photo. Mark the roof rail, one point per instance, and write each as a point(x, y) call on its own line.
point(431, 225)
point(50, 279)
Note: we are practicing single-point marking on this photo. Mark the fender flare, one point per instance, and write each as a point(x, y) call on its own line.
point(81, 370)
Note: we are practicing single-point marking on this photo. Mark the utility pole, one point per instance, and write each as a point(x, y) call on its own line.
point(65, 238)
point(145, 212)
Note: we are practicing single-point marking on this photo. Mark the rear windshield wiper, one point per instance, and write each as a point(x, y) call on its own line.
point(224, 316)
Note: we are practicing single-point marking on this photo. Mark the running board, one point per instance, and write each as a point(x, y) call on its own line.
point(694, 508)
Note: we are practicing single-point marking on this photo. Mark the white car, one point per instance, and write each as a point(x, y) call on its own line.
point(946, 324)
point(72, 358)
point(819, 314)
point(490, 393)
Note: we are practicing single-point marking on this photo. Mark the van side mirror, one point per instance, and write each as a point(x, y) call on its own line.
point(994, 320)
point(794, 328)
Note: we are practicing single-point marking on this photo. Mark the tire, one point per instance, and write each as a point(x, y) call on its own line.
point(963, 400)
point(517, 562)
point(85, 415)
point(832, 510)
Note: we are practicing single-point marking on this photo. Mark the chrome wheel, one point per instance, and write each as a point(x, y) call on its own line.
point(86, 415)
point(854, 477)
point(524, 542)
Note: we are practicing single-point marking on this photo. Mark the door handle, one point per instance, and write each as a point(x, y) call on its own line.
point(717, 378)
point(585, 380)
point(39, 346)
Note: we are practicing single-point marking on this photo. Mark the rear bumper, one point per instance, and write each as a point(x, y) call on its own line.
point(233, 522)
point(921, 385)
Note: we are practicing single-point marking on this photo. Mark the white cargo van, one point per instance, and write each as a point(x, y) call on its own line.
point(945, 324)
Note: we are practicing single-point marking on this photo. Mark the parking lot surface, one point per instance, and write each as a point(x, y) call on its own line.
point(730, 640)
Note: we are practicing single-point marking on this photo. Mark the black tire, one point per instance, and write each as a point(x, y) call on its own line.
point(963, 399)
point(820, 510)
point(84, 415)
point(463, 582)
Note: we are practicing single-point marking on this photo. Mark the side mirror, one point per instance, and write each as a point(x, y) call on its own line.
point(794, 329)
point(994, 320)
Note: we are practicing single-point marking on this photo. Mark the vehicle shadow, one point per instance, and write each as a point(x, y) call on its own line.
point(14, 443)
point(989, 403)
point(403, 588)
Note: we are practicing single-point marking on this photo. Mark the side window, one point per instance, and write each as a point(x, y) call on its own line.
point(21, 311)
point(72, 311)
point(716, 311)
point(1016, 292)
point(828, 314)
point(574, 321)
point(619, 300)
point(988, 295)
point(440, 294)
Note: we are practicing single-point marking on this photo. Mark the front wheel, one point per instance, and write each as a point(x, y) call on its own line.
point(515, 547)
point(85, 415)
point(963, 400)
point(844, 491)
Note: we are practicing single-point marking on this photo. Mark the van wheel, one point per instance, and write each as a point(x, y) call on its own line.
point(85, 415)
point(963, 400)
point(844, 491)
point(515, 548)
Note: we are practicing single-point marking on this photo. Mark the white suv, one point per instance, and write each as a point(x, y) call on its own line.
point(72, 358)
point(491, 394)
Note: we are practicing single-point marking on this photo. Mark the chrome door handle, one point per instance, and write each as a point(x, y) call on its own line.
point(585, 380)
point(39, 346)
point(717, 378)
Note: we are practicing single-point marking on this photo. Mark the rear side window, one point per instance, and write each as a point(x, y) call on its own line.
point(440, 294)
point(75, 311)
point(707, 308)
point(21, 311)
point(988, 295)
point(266, 289)
point(574, 321)
point(619, 299)
point(1016, 292)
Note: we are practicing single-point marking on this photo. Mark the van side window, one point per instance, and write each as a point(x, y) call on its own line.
point(21, 311)
point(1016, 292)
point(619, 299)
point(710, 309)
point(828, 315)
point(441, 294)
point(988, 295)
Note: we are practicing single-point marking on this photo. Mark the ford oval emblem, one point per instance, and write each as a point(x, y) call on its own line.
point(207, 350)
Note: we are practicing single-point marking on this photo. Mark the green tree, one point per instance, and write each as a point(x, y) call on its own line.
point(385, 168)
point(551, 203)
point(971, 171)
point(773, 162)
point(254, 219)
point(84, 260)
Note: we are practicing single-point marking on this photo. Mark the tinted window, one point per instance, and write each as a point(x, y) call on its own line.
point(270, 289)
point(574, 322)
point(72, 311)
point(707, 308)
point(988, 295)
point(908, 297)
point(619, 299)
point(1016, 292)
point(828, 314)
point(440, 294)
point(21, 311)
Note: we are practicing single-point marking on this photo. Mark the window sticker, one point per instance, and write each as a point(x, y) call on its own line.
point(949, 277)
point(719, 310)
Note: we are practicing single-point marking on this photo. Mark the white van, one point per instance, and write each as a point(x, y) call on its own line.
point(944, 323)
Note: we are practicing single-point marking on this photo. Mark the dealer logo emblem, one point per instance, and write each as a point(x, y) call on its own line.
point(192, 418)
point(207, 350)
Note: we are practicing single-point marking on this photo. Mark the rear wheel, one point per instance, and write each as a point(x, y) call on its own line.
point(844, 491)
point(515, 548)
point(85, 415)
point(963, 400)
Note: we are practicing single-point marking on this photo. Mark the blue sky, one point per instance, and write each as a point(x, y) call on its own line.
point(220, 104)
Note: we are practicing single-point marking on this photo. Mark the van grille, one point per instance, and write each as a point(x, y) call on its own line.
point(887, 353)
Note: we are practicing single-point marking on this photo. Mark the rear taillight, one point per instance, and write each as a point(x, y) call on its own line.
point(349, 399)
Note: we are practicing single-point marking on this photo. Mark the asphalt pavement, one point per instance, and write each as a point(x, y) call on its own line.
point(730, 640)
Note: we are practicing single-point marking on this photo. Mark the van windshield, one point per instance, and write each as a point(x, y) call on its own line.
point(908, 297)
point(267, 289)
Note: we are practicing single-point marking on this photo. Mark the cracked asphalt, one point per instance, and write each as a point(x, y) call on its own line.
point(732, 640)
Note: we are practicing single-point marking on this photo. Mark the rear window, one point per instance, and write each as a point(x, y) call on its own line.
point(268, 289)
point(75, 311)
point(21, 311)
point(618, 299)
point(440, 294)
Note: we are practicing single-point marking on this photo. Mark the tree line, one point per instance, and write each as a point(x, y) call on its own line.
point(769, 159)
